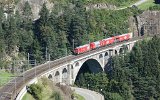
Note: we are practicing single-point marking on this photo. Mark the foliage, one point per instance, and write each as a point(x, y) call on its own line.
point(28, 96)
point(155, 7)
point(113, 96)
point(146, 5)
point(113, 2)
point(133, 75)
point(36, 91)
point(142, 69)
point(5, 77)
point(44, 81)
point(77, 96)
point(58, 32)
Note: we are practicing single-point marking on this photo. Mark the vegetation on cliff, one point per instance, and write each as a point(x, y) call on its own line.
point(132, 75)
point(57, 29)
point(45, 89)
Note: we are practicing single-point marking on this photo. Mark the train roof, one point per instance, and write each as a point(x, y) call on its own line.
point(108, 38)
point(82, 46)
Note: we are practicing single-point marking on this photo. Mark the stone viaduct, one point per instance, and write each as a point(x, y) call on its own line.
point(96, 61)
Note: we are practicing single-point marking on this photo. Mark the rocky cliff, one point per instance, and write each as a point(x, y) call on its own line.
point(35, 6)
point(147, 23)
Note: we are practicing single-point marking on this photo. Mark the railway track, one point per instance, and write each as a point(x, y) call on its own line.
point(11, 90)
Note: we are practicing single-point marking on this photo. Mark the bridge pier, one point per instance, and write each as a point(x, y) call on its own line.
point(70, 71)
point(102, 57)
point(60, 76)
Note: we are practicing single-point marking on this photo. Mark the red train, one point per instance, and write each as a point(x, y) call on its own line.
point(101, 43)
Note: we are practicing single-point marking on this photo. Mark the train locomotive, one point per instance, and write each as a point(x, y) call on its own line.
point(101, 43)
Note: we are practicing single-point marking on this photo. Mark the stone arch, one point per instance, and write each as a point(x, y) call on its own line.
point(72, 74)
point(77, 64)
point(64, 70)
point(71, 66)
point(115, 52)
point(57, 76)
point(100, 56)
point(93, 65)
point(57, 73)
point(106, 54)
point(121, 50)
point(50, 76)
point(64, 75)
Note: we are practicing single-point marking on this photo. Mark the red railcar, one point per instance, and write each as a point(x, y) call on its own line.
point(122, 37)
point(82, 49)
point(94, 45)
point(104, 42)
point(107, 41)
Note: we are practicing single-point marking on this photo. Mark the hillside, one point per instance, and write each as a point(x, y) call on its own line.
point(37, 4)
point(55, 27)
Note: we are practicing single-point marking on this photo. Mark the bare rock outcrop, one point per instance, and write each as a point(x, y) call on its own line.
point(147, 23)
point(100, 6)
point(36, 6)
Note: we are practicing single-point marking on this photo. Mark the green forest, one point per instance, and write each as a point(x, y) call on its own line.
point(55, 30)
point(132, 76)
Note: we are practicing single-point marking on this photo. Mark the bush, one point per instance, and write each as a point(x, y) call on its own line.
point(45, 82)
point(36, 91)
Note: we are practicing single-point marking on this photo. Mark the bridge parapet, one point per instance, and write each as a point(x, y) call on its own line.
point(66, 69)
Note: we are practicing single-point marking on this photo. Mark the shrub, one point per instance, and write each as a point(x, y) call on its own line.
point(36, 91)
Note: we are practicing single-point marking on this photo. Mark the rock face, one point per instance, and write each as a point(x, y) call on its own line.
point(147, 23)
point(100, 6)
point(151, 22)
point(36, 5)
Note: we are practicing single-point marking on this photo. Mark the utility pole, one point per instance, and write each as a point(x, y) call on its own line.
point(15, 85)
point(23, 75)
point(46, 53)
point(35, 72)
point(28, 60)
point(35, 62)
point(49, 62)
point(66, 54)
point(14, 66)
point(89, 46)
point(73, 44)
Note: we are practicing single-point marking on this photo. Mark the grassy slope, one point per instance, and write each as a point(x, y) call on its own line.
point(79, 97)
point(4, 77)
point(46, 94)
point(27, 96)
point(127, 4)
point(146, 5)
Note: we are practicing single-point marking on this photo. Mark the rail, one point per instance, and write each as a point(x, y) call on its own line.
point(11, 90)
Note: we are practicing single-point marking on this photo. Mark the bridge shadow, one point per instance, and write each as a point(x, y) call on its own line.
point(90, 66)
point(108, 66)
point(157, 1)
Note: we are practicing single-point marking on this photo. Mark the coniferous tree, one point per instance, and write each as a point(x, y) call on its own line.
point(44, 16)
point(27, 17)
point(25, 22)
point(137, 59)
point(11, 34)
